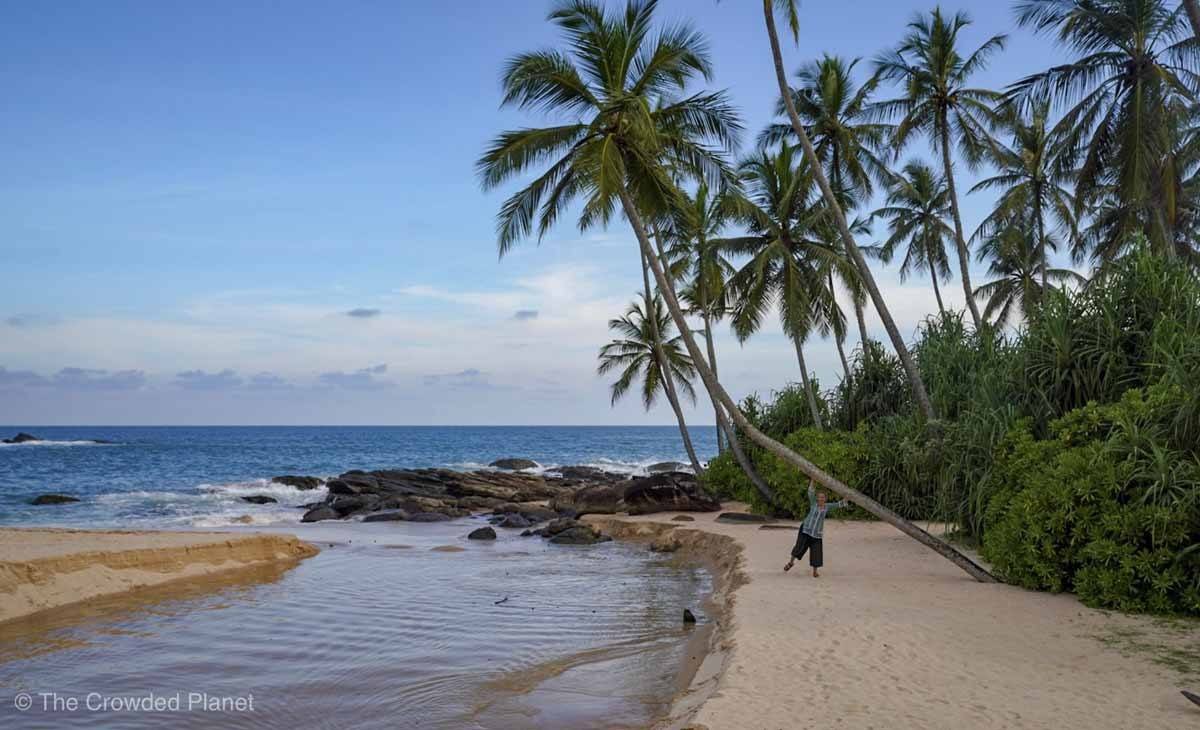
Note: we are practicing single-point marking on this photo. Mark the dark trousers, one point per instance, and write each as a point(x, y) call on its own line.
point(812, 545)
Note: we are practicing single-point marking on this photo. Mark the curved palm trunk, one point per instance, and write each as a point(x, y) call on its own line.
point(920, 395)
point(839, 337)
point(804, 465)
point(712, 360)
point(1193, 13)
point(739, 454)
point(664, 368)
point(862, 323)
point(936, 291)
point(1041, 228)
point(808, 390)
point(964, 255)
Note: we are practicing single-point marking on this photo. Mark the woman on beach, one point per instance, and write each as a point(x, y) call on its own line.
point(809, 538)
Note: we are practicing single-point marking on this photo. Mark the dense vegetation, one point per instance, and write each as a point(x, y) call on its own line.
point(1070, 451)
point(1065, 446)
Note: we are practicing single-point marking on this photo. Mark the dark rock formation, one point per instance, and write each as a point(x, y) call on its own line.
point(683, 518)
point(483, 533)
point(260, 499)
point(514, 464)
point(54, 499)
point(301, 483)
point(428, 517)
point(688, 617)
point(589, 474)
point(664, 466)
point(742, 518)
point(560, 525)
point(579, 535)
point(21, 438)
point(317, 514)
point(513, 520)
point(674, 491)
point(393, 515)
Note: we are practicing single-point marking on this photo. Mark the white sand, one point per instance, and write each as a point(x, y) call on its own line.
point(893, 636)
point(45, 568)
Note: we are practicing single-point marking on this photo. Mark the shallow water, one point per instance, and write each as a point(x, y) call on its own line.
point(379, 630)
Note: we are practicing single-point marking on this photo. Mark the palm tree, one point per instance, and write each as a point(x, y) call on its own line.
point(938, 103)
point(787, 265)
point(918, 203)
point(613, 156)
point(1030, 176)
point(1020, 279)
point(920, 395)
point(1135, 73)
point(644, 344)
point(1193, 13)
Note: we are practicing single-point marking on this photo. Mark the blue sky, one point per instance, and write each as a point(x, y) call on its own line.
point(261, 213)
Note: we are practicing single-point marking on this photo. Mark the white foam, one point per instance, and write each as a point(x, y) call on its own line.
point(50, 442)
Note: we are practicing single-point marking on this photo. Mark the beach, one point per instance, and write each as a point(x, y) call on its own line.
point(893, 636)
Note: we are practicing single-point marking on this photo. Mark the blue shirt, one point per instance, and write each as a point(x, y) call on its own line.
point(814, 521)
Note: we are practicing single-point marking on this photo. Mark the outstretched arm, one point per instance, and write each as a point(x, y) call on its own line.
point(812, 494)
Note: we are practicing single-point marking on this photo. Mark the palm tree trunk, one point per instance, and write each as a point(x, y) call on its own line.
point(712, 360)
point(839, 337)
point(1041, 234)
point(920, 395)
point(808, 390)
point(964, 255)
point(1193, 13)
point(862, 323)
point(804, 465)
point(739, 454)
point(936, 292)
point(665, 369)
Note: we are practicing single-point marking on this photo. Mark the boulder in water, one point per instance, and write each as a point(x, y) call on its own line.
point(428, 517)
point(22, 438)
point(514, 464)
point(54, 499)
point(302, 483)
point(393, 515)
point(483, 533)
point(672, 491)
point(688, 617)
point(514, 521)
point(318, 514)
point(579, 535)
point(260, 499)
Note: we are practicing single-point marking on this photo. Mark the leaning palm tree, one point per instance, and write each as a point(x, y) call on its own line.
point(918, 204)
point(938, 103)
point(1137, 68)
point(1030, 176)
point(644, 344)
point(787, 264)
point(612, 156)
point(1019, 282)
point(1193, 12)
point(836, 212)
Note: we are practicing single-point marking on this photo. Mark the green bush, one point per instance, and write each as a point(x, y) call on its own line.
point(841, 453)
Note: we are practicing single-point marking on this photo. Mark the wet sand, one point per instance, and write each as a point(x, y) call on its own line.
point(42, 569)
point(893, 636)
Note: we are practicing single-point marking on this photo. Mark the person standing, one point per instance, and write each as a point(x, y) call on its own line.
point(811, 530)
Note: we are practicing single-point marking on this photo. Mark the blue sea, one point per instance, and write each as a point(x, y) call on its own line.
point(179, 476)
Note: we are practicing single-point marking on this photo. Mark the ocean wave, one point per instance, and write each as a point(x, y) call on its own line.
point(51, 442)
point(211, 505)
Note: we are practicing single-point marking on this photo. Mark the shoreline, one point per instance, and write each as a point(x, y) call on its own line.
point(892, 635)
point(51, 568)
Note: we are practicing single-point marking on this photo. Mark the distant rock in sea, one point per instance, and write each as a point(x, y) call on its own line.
point(21, 438)
point(54, 499)
point(665, 466)
point(514, 464)
point(260, 499)
point(301, 483)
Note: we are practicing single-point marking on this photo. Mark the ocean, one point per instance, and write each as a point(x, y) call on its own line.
point(172, 477)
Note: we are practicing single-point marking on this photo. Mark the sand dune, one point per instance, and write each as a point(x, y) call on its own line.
point(46, 568)
point(893, 636)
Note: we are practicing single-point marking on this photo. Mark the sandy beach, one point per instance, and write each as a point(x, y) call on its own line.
point(893, 636)
point(48, 568)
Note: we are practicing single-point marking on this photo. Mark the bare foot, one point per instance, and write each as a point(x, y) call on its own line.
point(816, 574)
point(788, 567)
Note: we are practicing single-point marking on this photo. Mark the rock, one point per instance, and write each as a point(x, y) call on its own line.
point(513, 521)
point(21, 438)
point(483, 533)
point(683, 518)
point(665, 466)
point(560, 525)
point(346, 506)
point(600, 499)
point(741, 518)
point(529, 533)
point(536, 513)
point(52, 498)
point(428, 517)
point(317, 514)
point(514, 464)
point(580, 535)
point(589, 474)
point(301, 483)
point(688, 617)
point(668, 491)
point(260, 499)
point(394, 515)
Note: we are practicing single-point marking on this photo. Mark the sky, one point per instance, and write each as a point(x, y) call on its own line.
point(267, 213)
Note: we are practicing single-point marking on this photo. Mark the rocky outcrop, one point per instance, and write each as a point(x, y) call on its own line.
point(514, 464)
point(580, 535)
point(428, 517)
point(54, 499)
point(395, 515)
point(319, 514)
point(302, 483)
point(260, 499)
point(669, 491)
point(589, 474)
point(21, 438)
point(665, 466)
point(483, 533)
